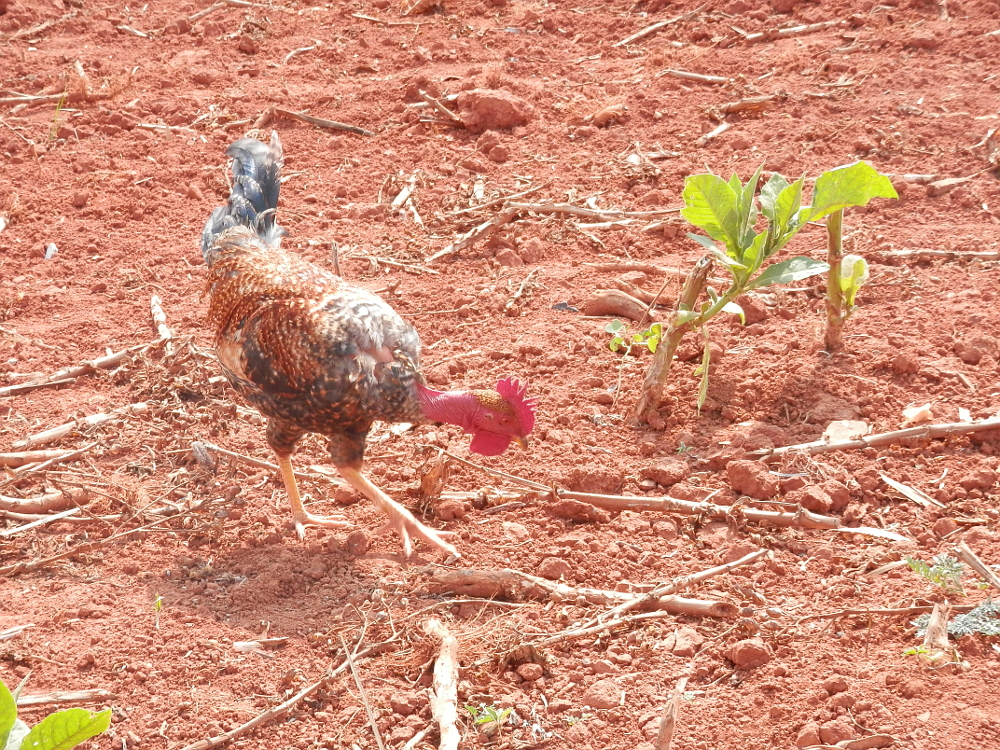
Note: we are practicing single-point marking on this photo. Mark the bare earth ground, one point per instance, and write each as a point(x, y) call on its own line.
point(121, 177)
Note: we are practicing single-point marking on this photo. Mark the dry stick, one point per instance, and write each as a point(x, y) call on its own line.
point(58, 458)
point(363, 693)
point(51, 502)
point(37, 522)
point(388, 23)
point(590, 213)
point(766, 36)
point(94, 420)
point(308, 119)
point(885, 438)
point(899, 611)
point(513, 584)
point(16, 390)
point(753, 103)
point(965, 553)
point(66, 696)
point(475, 234)
point(696, 608)
point(495, 472)
point(68, 373)
point(160, 321)
point(498, 201)
point(668, 722)
point(250, 461)
point(284, 708)
point(943, 254)
point(444, 695)
point(723, 127)
point(689, 76)
point(417, 738)
point(23, 458)
point(656, 376)
point(38, 28)
point(520, 290)
point(647, 268)
point(67, 98)
point(657, 26)
point(440, 107)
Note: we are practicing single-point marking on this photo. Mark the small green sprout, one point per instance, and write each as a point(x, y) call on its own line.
point(157, 606)
point(944, 571)
point(488, 714)
point(650, 338)
point(61, 730)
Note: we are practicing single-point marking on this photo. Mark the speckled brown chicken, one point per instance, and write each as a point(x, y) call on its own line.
point(315, 353)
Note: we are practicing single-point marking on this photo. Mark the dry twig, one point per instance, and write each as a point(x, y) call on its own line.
point(93, 420)
point(67, 374)
point(444, 696)
point(66, 696)
point(668, 721)
point(657, 26)
point(964, 553)
point(319, 122)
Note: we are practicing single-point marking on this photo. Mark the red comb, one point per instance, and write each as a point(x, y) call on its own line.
point(516, 395)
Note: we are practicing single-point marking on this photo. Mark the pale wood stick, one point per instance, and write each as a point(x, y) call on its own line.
point(321, 122)
point(475, 234)
point(668, 721)
point(897, 611)
point(753, 103)
point(160, 321)
point(497, 473)
point(417, 738)
point(283, 708)
point(67, 98)
point(37, 522)
point(440, 107)
point(17, 390)
point(884, 438)
point(66, 696)
point(66, 374)
point(39, 27)
point(966, 555)
point(444, 696)
point(689, 76)
point(372, 723)
point(50, 502)
point(942, 254)
point(57, 459)
point(766, 36)
point(513, 584)
point(657, 26)
point(15, 631)
point(723, 127)
point(22, 458)
point(250, 461)
point(591, 213)
point(498, 201)
point(93, 420)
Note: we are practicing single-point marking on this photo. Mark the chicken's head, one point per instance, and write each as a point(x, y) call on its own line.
point(503, 415)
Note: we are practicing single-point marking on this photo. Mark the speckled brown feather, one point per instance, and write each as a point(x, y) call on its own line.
point(308, 349)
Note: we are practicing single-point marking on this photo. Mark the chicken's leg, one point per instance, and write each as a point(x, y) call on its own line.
point(400, 519)
point(300, 516)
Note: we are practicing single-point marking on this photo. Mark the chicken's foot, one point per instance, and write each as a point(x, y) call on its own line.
point(300, 516)
point(400, 519)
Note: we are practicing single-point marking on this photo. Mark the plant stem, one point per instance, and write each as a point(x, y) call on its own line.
point(656, 376)
point(835, 312)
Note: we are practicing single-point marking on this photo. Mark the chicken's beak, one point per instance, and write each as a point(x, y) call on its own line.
point(522, 443)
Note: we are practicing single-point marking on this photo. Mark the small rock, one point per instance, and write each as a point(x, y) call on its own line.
point(811, 497)
point(654, 198)
point(923, 39)
point(499, 154)
point(667, 471)
point(516, 532)
point(836, 731)
point(194, 192)
point(752, 478)
point(981, 479)
point(687, 642)
point(98, 288)
point(750, 653)
point(840, 496)
point(905, 362)
point(553, 568)
point(80, 198)
point(530, 671)
point(532, 250)
point(509, 258)
point(784, 6)
point(835, 684)
point(912, 688)
point(604, 666)
point(449, 510)
point(492, 109)
point(603, 694)
point(357, 542)
point(808, 735)
point(248, 45)
point(665, 530)
point(944, 527)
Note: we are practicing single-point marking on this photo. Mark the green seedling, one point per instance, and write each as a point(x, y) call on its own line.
point(488, 714)
point(944, 571)
point(61, 730)
point(728, 213)
point(648, 339)
point(55, 118)
point(851, 185)
point(157, 607)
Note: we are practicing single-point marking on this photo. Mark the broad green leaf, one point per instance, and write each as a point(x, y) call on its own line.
point(706, 242)
point(769, 195)
point(66, 729)
point(787, 206)
point(753, 256)
point(711, 205)
point(725, 260)
point(787, 271)
point(734, 309)
point(850, 185)
point(8, 714)
point(17, 735)
point(853, 275)
point(616, 343)
point(614, 326)
point(747, 210)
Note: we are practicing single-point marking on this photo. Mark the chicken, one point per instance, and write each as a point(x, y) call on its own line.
point(315, 353)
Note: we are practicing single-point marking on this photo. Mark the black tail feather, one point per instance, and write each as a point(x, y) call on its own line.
point(253, 200)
